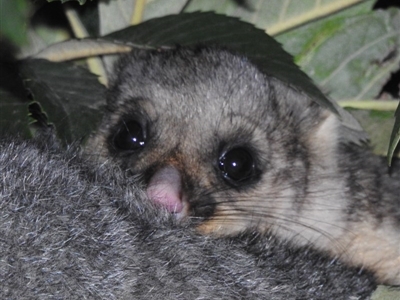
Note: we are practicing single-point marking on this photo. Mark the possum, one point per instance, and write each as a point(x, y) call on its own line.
point(213, 138)
point(73, 229)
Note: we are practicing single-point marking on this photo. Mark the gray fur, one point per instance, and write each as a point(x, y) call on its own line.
point(312, 188)
point(74, 230)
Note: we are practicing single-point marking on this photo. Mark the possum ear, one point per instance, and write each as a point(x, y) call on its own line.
point(317, 126)
point(309, 115)
point(323, 139)
point(303, 111)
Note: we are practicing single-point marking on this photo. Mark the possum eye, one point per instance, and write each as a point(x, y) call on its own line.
point(237, 165)
point(130, 136)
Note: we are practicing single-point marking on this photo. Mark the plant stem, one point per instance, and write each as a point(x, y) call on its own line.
point(94, 63)
point(383, 105)
point(138, 12)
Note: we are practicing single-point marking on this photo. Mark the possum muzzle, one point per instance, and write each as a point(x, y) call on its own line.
point(165, 190)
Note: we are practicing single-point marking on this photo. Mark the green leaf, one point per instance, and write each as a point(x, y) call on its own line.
point(275, 16)
point(115, 15)
point(385, 292)
point(70, 96)
point(378, 125)
point(350, 56)
point(157, 8)
point(14, 20)
point(14, 118)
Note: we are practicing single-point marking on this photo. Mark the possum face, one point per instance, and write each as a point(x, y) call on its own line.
point(214, 138)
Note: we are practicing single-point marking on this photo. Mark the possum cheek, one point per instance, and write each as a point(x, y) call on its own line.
point(226, 221)
point(165, 190)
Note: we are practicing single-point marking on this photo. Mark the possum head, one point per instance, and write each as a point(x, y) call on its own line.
point(212, 137)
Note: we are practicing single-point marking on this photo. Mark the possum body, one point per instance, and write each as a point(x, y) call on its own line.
point(74, 230)
point(213, 138)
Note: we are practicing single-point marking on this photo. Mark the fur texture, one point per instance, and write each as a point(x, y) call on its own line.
point(191, 109)
point(74, 230)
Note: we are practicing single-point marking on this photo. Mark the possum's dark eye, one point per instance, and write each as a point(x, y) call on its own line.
point(237, 165)
point(130, 136)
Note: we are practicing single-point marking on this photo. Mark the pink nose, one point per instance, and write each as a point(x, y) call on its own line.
point(165, 189)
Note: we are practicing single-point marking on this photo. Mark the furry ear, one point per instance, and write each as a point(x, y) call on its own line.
point(323, 139)
point(296, 106)
point(317, 127)
point(308, 114)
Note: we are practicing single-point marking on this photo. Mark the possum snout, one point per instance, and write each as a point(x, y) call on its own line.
point(165, 190)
